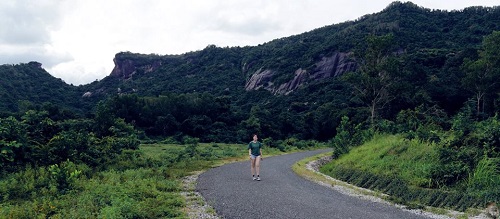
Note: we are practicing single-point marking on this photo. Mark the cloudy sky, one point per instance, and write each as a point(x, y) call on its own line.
point(76, 40)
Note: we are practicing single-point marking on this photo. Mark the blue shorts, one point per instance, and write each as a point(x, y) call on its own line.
point(253, 156)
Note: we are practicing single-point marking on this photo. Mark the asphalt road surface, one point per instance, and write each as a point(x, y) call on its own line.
point(283, 194)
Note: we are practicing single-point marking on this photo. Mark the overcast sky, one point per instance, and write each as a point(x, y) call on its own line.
point(76, 40)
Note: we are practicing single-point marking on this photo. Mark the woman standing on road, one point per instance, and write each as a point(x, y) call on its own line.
point(255, 153)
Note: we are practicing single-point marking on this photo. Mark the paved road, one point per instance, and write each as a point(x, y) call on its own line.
point(283, 194)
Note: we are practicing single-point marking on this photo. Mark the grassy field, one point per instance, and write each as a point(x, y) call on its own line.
point(139, 184)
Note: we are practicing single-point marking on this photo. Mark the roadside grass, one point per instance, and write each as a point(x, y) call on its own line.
point(146, 183)
point(392, 155)
point(300, 168)
point(401, 168)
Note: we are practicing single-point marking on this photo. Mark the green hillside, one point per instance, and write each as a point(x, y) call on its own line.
point(23, 85)
point(408, 98)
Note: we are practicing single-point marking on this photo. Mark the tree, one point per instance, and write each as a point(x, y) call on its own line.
point(12, 139)
point(104, 119)
point(483, 74)
point(373, 81)
point(40, 128)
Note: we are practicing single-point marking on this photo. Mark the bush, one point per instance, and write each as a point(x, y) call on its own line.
point(191, 150)
point(463, 150)
point(64, 176)
point(24, 184)
point(343, 140)
point(424, 123)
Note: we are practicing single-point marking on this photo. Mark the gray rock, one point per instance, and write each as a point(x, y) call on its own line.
point(333, 66)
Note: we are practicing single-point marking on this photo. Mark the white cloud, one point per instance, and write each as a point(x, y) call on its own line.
point(76, 40)
point(25, 28)
point(27, 22)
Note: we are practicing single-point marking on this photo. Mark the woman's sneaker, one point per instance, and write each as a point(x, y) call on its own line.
point(258, 178)
point(254, 178)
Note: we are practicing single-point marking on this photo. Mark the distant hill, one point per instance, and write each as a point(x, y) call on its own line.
point(23, 86)
point(287, 64)
point(293, 69)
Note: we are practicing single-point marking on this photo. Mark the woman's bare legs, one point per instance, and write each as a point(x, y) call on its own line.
point(252, 166)
point(257, 165)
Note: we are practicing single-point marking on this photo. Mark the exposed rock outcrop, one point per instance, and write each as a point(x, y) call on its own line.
point(123, 68)
point(300, 78)
point(87, 94)
point(260, 79)
point(35, 64)
point(333, 66)
point(126, 68)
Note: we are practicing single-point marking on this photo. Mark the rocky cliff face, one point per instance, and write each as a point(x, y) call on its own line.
point(332, 66)
point(300, 78)
point(260, 79)
point(126, 68)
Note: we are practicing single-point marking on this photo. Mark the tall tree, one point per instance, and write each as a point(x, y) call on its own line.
point(373, 81)
point(482, 75)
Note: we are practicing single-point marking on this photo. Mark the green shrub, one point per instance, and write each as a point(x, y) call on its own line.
point(229, 153)
point(342, 142)
point(26, 184)
point(64, 176)
point(269, 142)
point(423, 122)
point(130, 159)
point(282, 146)
point(138, 193)
point(464, 149)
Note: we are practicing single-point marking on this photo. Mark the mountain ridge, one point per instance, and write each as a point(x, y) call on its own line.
point(285, 65)
point(295, 56)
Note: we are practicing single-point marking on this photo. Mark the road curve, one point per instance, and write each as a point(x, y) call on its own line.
point(283, 194)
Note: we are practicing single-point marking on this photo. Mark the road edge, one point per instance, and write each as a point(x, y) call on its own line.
point(308, 168)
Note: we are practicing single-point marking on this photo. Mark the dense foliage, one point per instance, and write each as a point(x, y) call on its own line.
point(429, 75)
point(37, 140)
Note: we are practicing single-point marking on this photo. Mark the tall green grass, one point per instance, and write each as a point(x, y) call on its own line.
point(392, 155)
point(486, 174)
